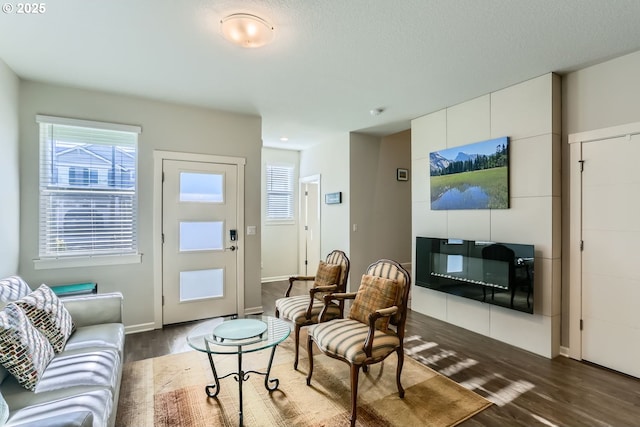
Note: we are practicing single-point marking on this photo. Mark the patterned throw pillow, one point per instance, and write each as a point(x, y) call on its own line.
point(24, 351)
point(327, 274)
point(49, 315)
point(11, 289)
point(374, 294)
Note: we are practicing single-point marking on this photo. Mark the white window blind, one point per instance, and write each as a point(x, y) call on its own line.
point(279, 192)
point(88, 174)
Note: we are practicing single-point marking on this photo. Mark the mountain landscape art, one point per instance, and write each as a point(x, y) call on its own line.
point(474, 176)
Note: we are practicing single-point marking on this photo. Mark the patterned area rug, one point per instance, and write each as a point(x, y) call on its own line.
point(170, 391)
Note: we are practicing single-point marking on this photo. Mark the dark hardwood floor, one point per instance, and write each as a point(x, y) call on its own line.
point(526, 389)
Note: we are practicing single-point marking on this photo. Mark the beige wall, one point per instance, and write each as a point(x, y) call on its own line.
point(380, 205)
point(528, 113)
point(596, 97)
point(9, 165)
point(279, 239)
point(165, 126)
point(330, 160)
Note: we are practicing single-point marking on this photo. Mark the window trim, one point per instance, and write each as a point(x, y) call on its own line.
point(74, 261)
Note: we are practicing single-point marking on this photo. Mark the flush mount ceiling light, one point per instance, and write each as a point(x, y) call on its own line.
point(246, 30)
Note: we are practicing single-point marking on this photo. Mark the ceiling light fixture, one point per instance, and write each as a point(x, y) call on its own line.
point(376, 111)
point(284, 139)
point(246, 30)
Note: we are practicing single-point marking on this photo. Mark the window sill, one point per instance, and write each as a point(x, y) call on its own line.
point(280, 222)
point(85, 261)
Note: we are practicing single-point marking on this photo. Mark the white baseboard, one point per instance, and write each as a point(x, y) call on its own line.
point(275, 278)
point(564, 351)
point(253, 310)
point(143, 327)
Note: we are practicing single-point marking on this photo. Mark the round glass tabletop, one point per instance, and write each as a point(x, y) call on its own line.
point(233, 336)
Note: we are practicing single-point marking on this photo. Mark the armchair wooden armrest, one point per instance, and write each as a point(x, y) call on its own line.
point(312, 293)
point(297, 279)
point(338, 296)
point(373, 317)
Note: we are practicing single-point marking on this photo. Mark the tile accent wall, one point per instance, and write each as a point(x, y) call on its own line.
point(529, 114)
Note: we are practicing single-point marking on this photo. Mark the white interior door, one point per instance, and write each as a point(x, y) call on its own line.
point(309, 232)
point(610, 273)
point(199, 257)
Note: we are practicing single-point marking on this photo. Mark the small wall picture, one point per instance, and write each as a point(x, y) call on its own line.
point(333, 198)
point(402, 174)
point(474, 176)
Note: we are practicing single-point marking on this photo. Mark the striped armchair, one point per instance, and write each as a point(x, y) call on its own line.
point(374, 328)
point(304, 310)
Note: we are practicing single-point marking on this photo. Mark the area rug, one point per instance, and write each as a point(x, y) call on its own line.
point(170, 391)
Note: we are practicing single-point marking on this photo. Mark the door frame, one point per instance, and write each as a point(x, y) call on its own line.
point(158, 157)
point(302, 181)
point(575, 141)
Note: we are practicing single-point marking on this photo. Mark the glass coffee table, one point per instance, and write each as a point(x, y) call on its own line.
point(237, 337)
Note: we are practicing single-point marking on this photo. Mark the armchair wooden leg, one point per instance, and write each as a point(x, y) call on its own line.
point(400, 353)
point(310, 353)
point(355, 371)
point(296, 332)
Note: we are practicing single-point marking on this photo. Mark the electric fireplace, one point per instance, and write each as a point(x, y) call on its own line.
point(494, 273)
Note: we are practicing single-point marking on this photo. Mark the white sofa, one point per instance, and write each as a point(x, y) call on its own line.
point(81, 384)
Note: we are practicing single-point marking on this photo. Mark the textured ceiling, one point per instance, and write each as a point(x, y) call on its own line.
point(332, 61)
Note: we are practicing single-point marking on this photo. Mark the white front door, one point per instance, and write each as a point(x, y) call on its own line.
point(610, 273)
point(199, 257)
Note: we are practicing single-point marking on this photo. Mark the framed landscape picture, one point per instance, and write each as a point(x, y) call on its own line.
point(474, 176)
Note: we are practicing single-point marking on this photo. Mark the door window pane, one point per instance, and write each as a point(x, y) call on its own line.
point(201, 284)
point(201, 236)
point(201, 187)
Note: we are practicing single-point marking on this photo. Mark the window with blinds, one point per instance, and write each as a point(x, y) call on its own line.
point(88, 173)
point(279, 192)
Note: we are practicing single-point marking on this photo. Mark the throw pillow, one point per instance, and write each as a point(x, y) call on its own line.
point(11, 289)
point(374, 294)
point(327, 274)
point(24, 351)
point(47, 313)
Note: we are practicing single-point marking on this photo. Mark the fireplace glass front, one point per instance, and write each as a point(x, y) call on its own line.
point(494, 273)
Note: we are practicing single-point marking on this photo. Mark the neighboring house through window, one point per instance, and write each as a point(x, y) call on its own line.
point(88, 189)
point(280, 195)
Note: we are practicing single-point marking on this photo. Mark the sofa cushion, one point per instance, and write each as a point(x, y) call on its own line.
point(96, 368)
point(24, 351)
point(106, 335)
point(47, 313)
point(67, 419)
point(98, 402)
point(375, 293)
point(4, 411)
point(11, 289)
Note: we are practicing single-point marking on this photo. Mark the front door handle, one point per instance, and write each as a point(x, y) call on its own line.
point(232, 248)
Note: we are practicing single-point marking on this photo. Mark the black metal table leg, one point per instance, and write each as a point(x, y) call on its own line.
point(241, 376)
point(216, 386)
point(240, 380)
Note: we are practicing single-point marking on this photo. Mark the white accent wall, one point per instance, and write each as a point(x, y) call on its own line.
point(529, 114)
point(9, 165)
